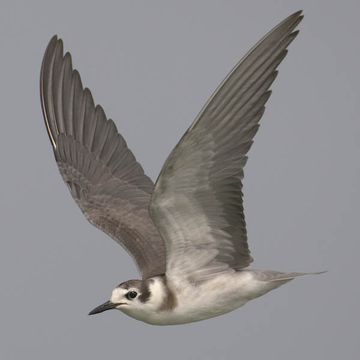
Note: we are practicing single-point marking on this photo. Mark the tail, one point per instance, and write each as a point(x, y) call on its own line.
point(265, 281)
point(280, 276)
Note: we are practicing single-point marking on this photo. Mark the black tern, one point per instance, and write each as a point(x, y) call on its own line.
point(187, 232)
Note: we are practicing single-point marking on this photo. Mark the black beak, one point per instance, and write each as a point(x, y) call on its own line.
point(103, 307)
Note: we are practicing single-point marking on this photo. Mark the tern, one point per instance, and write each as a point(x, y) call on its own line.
point(187, 232)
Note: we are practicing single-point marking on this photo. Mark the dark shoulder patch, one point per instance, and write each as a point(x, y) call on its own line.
point(170, 301)
point(145, 290)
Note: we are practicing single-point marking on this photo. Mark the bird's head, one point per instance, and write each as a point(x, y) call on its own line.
point(135, 297)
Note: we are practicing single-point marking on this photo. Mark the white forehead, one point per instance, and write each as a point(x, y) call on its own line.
point(117, 294)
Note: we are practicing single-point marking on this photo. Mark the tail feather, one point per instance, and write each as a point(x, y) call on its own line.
point(280, 276)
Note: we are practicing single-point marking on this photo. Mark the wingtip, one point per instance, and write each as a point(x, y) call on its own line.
point(53, 41)
point(298, 13)
point(55, 44)
point(294, 19)
point(291, 22)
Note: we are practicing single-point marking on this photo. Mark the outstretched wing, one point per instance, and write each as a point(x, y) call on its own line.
point(197, 201)
point(103, 176)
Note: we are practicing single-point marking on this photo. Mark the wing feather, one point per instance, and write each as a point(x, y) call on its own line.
point(197, 201)
point(102, 174)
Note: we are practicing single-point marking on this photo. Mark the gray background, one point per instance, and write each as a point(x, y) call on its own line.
point(152, 65)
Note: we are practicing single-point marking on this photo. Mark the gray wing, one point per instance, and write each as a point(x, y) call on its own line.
point(102, 174)
point(197, 201)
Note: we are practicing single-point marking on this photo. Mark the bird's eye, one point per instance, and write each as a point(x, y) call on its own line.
point(131, 295)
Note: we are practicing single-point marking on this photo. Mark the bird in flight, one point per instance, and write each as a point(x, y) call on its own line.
point(187, 232)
